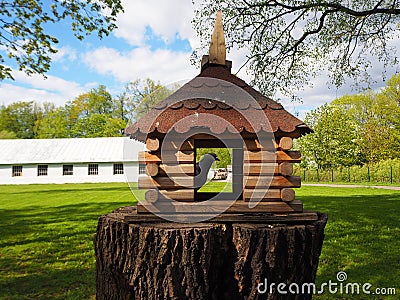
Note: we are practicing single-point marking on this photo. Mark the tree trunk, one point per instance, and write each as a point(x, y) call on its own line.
point(163, 260)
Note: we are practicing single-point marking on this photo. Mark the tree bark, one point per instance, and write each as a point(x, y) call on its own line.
point(163, 260)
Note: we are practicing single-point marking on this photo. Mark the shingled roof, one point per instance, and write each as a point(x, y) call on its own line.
point(217, 92)
point(166, 114)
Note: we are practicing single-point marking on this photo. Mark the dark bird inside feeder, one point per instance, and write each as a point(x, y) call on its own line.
point(202, 168)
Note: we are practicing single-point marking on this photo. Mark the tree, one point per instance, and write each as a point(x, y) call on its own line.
point(292, 41)
point(54, 125)
point(97, 125)
point(91, 114)
point(355, 129)
point(377, 117)
point(335, 140)
point(96, 101)
point(124, 107)
point(392, 89)
point(27, 41)
point(20, 118)
point(140, 96)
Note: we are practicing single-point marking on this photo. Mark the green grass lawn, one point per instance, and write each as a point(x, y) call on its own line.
point(46, 245)
point(46, 238)
point(362, 237)
point(215, 186)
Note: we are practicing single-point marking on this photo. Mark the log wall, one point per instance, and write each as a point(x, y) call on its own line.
point(177, 161)
point(265, 167)
point(267, 174)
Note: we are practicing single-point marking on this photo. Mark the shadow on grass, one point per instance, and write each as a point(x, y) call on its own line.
point(60, 189)
point(362, 238)
point(53, 284)
point(22, 222)
point(47, 253)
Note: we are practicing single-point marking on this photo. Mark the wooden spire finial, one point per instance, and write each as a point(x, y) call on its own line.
point(217, 52)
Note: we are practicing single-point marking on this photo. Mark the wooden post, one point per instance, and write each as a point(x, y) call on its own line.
point(286, 143)
point(286, 169)
point(348, 173)
point(153, 144)
point(287, 195)
point(152, 169)
point(212, 260)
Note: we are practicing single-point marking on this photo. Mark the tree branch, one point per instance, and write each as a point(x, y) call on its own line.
point(332, 5)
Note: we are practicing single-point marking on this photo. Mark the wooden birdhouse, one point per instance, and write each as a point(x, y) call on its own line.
point(219, 110)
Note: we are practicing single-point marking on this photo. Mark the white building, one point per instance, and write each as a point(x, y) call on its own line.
point(69, 160)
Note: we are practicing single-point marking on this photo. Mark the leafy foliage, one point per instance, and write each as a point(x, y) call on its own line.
point(139, 97)
point(96, 125)
point(54, 125)
point(377, 118)
point(334, 141)
point(6, 135)
point(89, 115)
point(92, 114)
point(19, 118)
point(25, 38)
point(292, 41)
point(224, 155)
point(354, 129)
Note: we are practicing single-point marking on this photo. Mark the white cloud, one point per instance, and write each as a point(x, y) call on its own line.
point(64, 53)
point(165, 18)
point(37, 88)
point(12, 93)
point(52, 83)
point(163, 65)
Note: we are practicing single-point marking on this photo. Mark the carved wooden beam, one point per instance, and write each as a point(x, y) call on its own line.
point(217, 52)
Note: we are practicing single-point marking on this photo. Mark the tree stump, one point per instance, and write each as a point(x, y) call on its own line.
point(215, 260)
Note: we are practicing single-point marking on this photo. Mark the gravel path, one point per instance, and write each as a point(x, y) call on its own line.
point(396, 188)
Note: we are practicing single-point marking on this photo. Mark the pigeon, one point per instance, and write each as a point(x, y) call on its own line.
point(202, 168)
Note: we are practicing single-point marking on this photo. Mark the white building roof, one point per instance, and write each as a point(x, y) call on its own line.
point(113, 149)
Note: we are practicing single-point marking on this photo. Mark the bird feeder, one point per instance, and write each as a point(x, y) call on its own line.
point(219, 110)
point(263, 234)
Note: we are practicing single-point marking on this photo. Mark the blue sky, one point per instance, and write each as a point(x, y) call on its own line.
point(154, 40)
